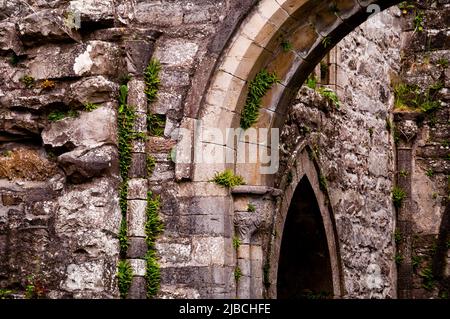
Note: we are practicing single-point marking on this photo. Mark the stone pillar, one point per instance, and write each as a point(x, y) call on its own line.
point(406, 130)
point(138, 54)
point(249, 225)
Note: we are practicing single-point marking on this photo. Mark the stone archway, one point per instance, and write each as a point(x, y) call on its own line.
point(304, 268)
point(312, 28)
point(305, 178)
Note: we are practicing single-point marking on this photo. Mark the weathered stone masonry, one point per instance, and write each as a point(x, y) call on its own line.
point(59, 218)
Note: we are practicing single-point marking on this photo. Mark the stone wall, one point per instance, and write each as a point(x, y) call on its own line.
point(59, 174)
point(423, 161)
point(355, 151)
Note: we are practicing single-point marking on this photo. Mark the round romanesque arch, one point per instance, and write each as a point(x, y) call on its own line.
point(312, 28)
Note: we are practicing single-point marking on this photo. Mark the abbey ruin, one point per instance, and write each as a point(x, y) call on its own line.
point(224, 149)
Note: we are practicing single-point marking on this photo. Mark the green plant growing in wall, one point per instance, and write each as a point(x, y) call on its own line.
point(311, 82)
point(153, 274)
point(398, 258)
point(125, 119)
point(5, 294)
point(286, 45)
point(228, 179)
point(55, 116)
point(123, 236)
point(153, 228)
point(237, 274)
point(151, 163)
point(412, 98)
point(89, 107)
point(443, 63)
point(429, 172)
point(406, 6)
point(236, 242)
point(124, 79)
point(28, 81)
point(428, 280)
point(124, 276)
point(403, 173)
point(154, 225)
point(34, 288)
point(415, 261)
point(14, 59)
point(330, 95)
point(152, 81)
point(257, 88)
point(156, 124)
point(398, 236)
point(251, 208)
point(47, 84)
point(326, 41)
point(323, 184)
point(419, 21)
point(398, 195)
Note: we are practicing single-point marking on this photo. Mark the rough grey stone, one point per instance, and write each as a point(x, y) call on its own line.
point(176, 53)
point(138, 288)
point(137, 247)
point(96, 90)
point(89, 129)
point(136, 217)
point(8, 38)
point(91, 58)
point(85, 163)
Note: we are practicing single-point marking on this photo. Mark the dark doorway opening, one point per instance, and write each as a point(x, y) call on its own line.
point(304, 269)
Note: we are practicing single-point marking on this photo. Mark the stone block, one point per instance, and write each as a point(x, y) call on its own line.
point(208, 251)
point(84, 163)
point(241, 57)
point(174, 78)
point(176, 53)
point(63, 61)
point(138, 168)
point(85, 276)
point(137, 248)
point(136, 217)
point(174, 252)
point(303, 39)
point(197, 225)
point(11, 200)
point(136, 95)
point(93, 10)
point(158, 14)
point(166, 101)
point(138, 288)
point(8, 38)
point(193, 277)
point(90, 128)
point(140, 122)
point(137, 188)
point(138, 146)
point(138, 54)
point(139, 267)
point(44, 25)
point(95, 89)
